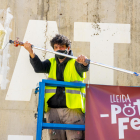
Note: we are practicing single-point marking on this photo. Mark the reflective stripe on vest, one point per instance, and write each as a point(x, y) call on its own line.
point(75, 92)
point(50, 90)
point(83, 94)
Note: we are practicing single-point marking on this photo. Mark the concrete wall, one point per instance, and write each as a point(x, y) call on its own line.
point(106, 31)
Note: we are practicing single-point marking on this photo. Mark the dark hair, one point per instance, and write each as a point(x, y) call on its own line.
point(61, 40)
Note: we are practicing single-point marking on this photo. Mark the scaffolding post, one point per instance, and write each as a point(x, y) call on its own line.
point(40, 124)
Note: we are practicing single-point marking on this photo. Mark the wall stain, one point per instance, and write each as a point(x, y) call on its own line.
point(87, 11)
point(47, 38)
point(96, 20)
point(95, 25)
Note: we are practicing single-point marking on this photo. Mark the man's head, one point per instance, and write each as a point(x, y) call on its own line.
point(60, 42)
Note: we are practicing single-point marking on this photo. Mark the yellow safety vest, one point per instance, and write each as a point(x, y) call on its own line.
point(75, 97)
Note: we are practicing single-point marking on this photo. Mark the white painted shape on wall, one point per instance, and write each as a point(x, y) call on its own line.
point(1, 77)
point(4, 58)
point(1, 27)
point(19, 137)
point(102, 46)
point(24, 79)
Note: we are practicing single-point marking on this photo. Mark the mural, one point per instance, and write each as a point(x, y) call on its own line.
point(100, 23)
point(24, 79)
point(102, 37)
point(23, 73)
point(5, 31)
point(101, 44)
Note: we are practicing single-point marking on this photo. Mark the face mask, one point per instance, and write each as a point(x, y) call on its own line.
point(60, 56)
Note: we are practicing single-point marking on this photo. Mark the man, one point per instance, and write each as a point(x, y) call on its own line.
point(62, 104)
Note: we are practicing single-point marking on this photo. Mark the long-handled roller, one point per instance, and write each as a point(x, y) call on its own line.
point(16, 43)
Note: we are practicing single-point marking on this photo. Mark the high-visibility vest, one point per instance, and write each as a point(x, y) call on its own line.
point(75, 97)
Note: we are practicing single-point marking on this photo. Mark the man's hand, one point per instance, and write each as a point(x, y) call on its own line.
point(28, 47)
point(81, 59)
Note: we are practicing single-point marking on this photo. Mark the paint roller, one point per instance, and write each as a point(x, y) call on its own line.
point(17, 43)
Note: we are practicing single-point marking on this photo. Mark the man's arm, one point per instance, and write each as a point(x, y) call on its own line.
point(81, 59)
point(80, 65)
point(28, 47)
point(38, 65)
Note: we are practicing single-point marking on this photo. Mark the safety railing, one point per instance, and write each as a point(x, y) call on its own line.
point(40, 123)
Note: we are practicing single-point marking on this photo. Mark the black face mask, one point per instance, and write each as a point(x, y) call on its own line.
point(60, 56)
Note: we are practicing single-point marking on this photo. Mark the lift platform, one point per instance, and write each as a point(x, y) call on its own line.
point(40, 117)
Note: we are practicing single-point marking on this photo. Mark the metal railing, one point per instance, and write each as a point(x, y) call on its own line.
point(40, 124)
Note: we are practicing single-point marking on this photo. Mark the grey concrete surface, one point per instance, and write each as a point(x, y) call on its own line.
point(17, 117)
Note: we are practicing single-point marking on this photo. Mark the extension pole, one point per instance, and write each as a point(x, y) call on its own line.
point(87, 60)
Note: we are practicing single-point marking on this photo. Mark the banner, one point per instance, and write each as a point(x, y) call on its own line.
point(112, 113)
